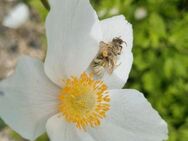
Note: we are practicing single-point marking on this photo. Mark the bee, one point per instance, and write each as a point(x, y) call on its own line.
point(107, 57)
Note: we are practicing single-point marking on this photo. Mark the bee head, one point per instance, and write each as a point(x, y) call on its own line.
point(118, 40)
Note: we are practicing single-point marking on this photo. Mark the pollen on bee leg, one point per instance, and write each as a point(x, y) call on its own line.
point(84, 101)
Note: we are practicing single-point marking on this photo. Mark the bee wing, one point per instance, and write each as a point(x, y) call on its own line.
point(102, 44)
point(103, 47)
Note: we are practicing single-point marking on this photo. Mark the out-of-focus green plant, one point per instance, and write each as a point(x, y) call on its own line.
point(160, 68)
point(160, 56)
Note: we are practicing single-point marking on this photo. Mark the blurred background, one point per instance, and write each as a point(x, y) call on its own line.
point(160, 68)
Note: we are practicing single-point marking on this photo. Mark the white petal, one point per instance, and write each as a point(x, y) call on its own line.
point(60, 130)
point(109, 132)
point(28, 99)
point(131, 118)
point(73, 32)
point(118, 27)
point(17, 16)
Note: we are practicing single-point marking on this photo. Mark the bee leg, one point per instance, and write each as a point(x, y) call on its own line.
point(117, 65)
point(99, 71)
point(121, 48)
point(110, 70)
point(111, 66)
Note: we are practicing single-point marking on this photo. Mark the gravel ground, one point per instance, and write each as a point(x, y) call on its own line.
point(14, 42)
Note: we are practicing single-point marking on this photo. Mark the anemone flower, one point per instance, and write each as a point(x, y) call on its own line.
point(63, 98)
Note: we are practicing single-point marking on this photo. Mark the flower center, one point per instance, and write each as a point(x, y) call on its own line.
point(84, 101)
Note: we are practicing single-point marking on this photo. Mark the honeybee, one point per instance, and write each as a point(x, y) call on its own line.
point(107, 57)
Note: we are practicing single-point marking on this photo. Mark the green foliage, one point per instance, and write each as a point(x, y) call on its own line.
point(39, 7)
point(160, 68)
point(160, 56)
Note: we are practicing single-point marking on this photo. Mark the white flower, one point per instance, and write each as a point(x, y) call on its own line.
point(140, 13)
point(60, 97)
point(17, 16)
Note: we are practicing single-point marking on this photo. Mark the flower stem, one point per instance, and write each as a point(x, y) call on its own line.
point(45, 4)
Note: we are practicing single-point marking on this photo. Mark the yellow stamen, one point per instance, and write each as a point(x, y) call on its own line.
point(84, 101)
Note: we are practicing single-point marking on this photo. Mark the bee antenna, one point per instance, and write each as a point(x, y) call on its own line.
point(125, 43)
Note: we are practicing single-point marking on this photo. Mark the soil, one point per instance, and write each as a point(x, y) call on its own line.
point(26, 39)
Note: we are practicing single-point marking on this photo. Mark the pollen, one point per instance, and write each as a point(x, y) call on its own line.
point(84, 101)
